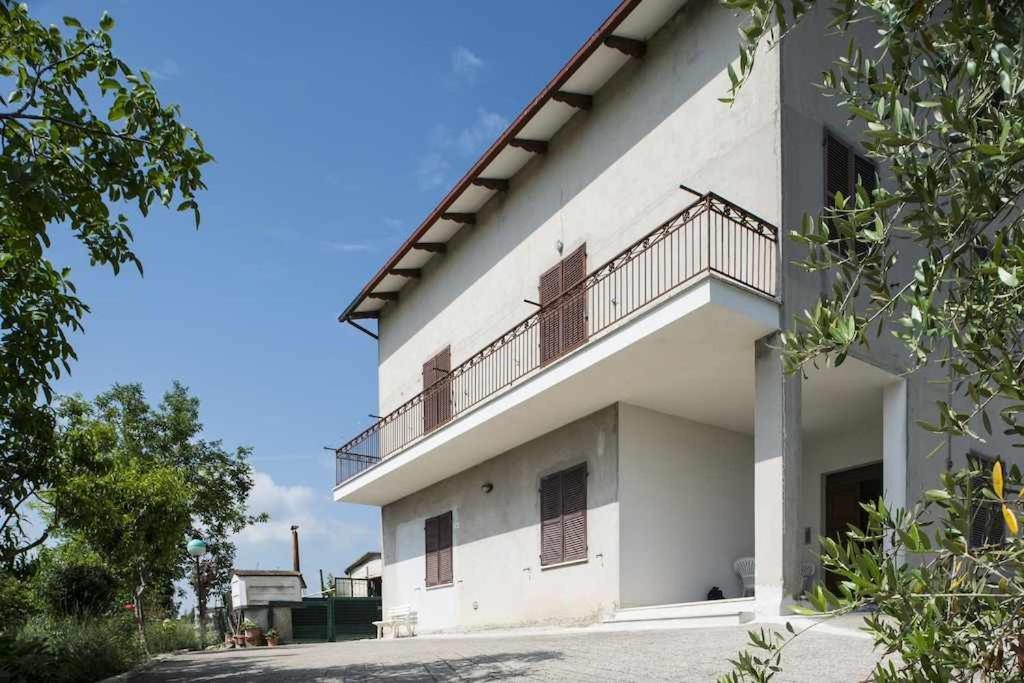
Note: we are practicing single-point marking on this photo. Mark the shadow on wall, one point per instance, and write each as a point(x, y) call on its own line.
point(292, 664)
point(597, 139)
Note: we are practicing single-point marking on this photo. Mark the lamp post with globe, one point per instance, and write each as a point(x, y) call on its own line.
point(197, 548)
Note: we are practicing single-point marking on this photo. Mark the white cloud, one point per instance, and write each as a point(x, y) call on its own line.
point(167, 69)
point(434, 167)
point(348, 247)
point(465, 65)
point(432, 170)
point(288, 505)
point(485, 129)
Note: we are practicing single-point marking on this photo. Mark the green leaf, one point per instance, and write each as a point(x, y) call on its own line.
point(106, 23)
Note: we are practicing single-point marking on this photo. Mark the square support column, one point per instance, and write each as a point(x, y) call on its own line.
point(777, 463)
point(894, 445)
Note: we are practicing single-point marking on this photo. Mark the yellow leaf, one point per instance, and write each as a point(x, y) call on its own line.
point(1011, 520)
point(997, 478)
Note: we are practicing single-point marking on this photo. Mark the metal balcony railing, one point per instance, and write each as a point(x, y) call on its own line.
point(711, 235)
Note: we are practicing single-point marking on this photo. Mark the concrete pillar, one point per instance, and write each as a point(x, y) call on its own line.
point(776, 482)
point(894, 444)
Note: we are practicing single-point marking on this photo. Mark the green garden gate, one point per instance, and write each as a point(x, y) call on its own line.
point(329, 619)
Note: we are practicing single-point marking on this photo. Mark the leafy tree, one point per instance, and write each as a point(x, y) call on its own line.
point(134, 515)
point(140, 481)
point(939, 95)
point(82, 138)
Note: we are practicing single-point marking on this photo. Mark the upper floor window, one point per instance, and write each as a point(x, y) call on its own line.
point(437, 394)
point(438, 542)
point(843, 170)
point(986, 523)
point(563, 516)
point(563, 321)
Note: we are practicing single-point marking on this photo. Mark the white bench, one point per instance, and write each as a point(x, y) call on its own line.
point(395, 619)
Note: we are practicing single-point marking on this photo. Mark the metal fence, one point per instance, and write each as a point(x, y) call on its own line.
point(711, 235)
point(347, 587)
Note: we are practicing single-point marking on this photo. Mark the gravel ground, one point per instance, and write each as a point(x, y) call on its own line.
point(570, 655)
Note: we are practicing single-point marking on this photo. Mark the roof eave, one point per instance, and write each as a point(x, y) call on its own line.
point(588, 48)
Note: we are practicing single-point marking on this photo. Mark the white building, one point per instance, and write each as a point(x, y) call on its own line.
point(368, 566)
point(363, 578)
point(614, 450)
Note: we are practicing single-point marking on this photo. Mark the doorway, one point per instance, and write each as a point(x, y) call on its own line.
point(844, 492)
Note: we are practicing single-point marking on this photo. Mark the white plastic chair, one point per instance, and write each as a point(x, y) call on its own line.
point(745, 568)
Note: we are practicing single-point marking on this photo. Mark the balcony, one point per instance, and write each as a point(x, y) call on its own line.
point(710, 238)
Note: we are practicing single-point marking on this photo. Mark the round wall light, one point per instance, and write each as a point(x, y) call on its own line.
point(487, 488)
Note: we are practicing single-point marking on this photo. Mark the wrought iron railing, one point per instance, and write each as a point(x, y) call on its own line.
point(711, 235)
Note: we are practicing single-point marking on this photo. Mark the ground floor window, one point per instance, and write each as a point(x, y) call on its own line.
point(438, 531)
point(563, 513)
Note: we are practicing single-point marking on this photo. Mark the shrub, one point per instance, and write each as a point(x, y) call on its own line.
point(70, 650)
point(17, 602)
point(170, 635)
point(77, 589)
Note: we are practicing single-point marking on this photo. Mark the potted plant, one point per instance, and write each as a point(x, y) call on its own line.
point(238, 639)
point(253, 632)
point(273, 637)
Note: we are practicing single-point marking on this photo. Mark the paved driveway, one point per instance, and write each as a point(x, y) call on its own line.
point(678, 655)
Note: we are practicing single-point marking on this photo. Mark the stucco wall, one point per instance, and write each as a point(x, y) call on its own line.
point(685, 507)
point(805, 113)
point(610, 176)
point(498, 578)
point(259, 590)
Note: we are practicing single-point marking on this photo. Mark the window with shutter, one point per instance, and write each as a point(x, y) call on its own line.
point(432, 533)
point(550, 315)
point(563, 321)
point(843, 170)
point(987, 526)
point(438, 550)
point(444, 549)
point(551, 519)
point(563, 512)
point(574, 301)
point(437, 397)
point(838, 175)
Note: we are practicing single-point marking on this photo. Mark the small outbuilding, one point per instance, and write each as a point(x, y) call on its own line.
point(265, 596)
point(363, 577)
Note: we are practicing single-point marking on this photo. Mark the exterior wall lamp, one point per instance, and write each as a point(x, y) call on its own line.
point(487, 487)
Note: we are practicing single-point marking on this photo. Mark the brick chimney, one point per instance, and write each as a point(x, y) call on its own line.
point(295, 547)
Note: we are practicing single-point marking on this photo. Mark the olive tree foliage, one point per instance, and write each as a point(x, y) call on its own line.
point(84, 139)
point(934, 256)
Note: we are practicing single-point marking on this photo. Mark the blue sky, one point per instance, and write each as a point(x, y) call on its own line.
point(336, 127)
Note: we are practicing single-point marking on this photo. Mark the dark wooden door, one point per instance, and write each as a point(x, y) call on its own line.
point(844, 492)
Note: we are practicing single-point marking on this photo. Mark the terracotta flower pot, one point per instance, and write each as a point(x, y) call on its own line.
point(239, 639)
point(253, 636)
point(273, 641)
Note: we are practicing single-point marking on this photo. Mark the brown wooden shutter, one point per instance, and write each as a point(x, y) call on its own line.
point(865, 173)
point(444, 549)
point(551, 545)
point(574, 513)
point(550, 314)
point(838, 171)
point(574, 301)
point(432, 533)
point(429, 409)
point(987, 526)
point(437, 396)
